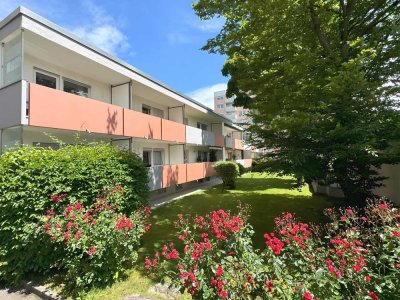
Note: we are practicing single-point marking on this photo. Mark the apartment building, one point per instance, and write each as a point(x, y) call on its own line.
point(224, 106)
point(54, 85)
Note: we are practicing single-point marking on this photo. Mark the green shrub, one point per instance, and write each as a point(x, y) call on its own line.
point(92, 245)
point(29, 176)
point(228, 171)
point(242, 170)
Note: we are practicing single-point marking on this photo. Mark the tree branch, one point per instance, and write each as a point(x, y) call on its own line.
point(317, 28)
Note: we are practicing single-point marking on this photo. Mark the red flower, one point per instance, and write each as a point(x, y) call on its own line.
point(373, 296)
point(357, 268)
point(308, 296)
point(396, 233)
point(268, 284)
point(223, 294)
point(367, 278)
point(219, 271)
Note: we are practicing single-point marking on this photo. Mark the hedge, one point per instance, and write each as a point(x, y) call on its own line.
point(228, 171)
point(28, 178)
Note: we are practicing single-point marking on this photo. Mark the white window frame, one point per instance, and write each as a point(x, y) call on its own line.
point(47, 73)
point(77, 83)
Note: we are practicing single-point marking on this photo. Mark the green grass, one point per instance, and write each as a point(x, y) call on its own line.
point(267, 196)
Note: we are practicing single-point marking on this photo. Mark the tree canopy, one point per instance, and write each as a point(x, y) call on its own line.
point(322, 80)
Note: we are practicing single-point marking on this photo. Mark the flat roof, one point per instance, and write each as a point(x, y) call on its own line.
point(21, 10)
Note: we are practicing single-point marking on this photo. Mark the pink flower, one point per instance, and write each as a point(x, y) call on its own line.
point(357, 268)
point(268, 284)
point(91, 251)
point(367, 278)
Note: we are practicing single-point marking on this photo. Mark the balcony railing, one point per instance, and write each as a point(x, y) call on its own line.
point(238, 144)
point(171, 175)
point(137, 124)
point(202, 137)
point(56, 109)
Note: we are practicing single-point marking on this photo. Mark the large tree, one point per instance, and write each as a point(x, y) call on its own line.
point(322, 80)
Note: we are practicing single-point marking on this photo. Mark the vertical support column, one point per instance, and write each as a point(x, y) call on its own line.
point(224, 148)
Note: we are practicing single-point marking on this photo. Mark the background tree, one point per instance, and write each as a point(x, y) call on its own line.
point(322, 80)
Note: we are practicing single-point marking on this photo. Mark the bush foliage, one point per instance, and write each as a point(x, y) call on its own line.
point(228, 171)
point(28, 176)
point(242, 170)
point(355, 256)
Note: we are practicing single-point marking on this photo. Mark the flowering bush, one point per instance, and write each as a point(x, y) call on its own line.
point(28, 175)
point(92, 244)
point(355, 256)
point(217, 260)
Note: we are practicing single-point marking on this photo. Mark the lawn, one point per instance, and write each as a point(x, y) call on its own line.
point(267, 196)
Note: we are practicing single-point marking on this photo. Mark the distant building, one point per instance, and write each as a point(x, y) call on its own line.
point(224, 106)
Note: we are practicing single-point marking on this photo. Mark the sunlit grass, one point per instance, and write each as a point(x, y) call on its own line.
point(267, 196)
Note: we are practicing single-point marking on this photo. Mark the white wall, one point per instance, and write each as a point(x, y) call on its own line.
point(139, 101)
point(176, 114)
point(98, 90)
point(193, 122)
point(392, 184)
point(176, 154)
point(139, 144)
point(121, 95)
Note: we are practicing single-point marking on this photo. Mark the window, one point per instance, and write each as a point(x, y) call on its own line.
point(12, 60)
point(76, 88)
point(147, 158)
point(146, 109)
point(186, 156)
point(158, 157)
point(153, 157)
point(202, 156)
point(46, 79)
point(220, 98)
point(242, 113)
point(201, 126)
point(220, 106)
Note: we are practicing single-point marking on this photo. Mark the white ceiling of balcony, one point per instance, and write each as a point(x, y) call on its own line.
point(54, 53)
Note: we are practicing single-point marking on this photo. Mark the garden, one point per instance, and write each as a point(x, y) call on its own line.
point(77, 220)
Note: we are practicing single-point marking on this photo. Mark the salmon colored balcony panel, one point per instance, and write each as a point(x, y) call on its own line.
point(247, 162)
point(137, 124)
point(195, 171)
point(56, 109)
point(219, 140)
point(173, 131)
point(238, 144)
point(173, 174)
point(209, 169)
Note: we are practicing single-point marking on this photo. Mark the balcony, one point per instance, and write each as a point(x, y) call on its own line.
point(13, 104)
point(238, 144)
point(140, 125)
point(56, 109)
point(219, 140)
point(170, 175)
point(245, 162)
point(173, 131)
point(200, 137)
point(228, 142)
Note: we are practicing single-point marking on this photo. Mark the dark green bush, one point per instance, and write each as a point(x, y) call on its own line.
point(29, 176)
point(228, 171)
point(242, 170)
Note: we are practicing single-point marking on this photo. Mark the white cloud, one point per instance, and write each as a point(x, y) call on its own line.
point(213, 25)
point(101, 30)
point(178, 38)
point(205, 95)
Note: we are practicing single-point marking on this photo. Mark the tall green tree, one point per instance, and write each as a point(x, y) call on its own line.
point(322, 80)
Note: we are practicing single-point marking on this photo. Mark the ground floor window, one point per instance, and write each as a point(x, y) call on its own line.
point(153, 157)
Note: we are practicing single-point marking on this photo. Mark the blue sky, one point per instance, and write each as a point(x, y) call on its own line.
point(160, 37)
